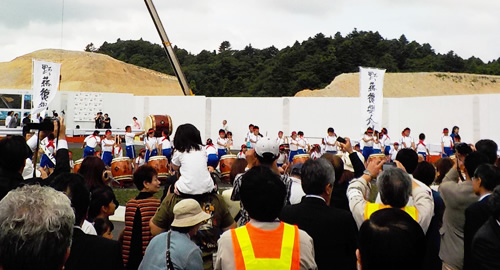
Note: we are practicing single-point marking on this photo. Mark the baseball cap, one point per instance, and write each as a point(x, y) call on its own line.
point(296, 168)
point(188, 213)
point(266, 145)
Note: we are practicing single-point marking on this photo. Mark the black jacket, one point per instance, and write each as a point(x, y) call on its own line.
point(486, 246)
point(475, 216)
point(93, 252)
point(333, 231)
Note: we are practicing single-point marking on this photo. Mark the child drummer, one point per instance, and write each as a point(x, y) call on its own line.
point(221, 143)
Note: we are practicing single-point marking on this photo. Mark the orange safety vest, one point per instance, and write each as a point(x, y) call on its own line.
point(371, 208)
point(260, 249)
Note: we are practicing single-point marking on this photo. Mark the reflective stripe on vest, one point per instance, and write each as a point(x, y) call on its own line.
point(371, 208)
point(259, 249)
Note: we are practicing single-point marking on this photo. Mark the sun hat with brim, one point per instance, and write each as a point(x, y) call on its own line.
point(188, 213)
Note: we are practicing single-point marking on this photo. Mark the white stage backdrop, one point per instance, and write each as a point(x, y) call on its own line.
point(371, 94)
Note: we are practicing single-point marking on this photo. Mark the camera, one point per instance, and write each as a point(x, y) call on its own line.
point(388, 165)
point(341, 140)
point(46, 125)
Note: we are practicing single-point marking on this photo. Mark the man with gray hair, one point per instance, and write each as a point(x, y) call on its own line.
point(333, 230)
point(395, 187)
point(36, 226)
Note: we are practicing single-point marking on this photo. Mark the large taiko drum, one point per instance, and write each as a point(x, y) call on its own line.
point(377, 157)
point(121, 169)
point(302, 158)
point(160, 164)
point(433, 157)
point(77, 166)
point(158, 123)
point(225, 164)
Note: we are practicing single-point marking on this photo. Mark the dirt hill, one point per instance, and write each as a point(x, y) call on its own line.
point(90, 72)
point(412, 85)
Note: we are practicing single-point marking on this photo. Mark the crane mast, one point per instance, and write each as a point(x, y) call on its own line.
point(167, 46)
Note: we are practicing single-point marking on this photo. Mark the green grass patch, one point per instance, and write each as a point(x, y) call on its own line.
point(123, 195)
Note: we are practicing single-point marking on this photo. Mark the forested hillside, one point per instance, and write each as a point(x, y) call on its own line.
point(310, 64)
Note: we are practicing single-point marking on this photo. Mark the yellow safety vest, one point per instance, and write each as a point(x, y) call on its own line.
point(371, 208)
point(256, 249)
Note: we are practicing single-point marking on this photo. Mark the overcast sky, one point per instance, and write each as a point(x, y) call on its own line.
point(470, 28)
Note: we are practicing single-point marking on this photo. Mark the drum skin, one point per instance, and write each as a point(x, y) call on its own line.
point(77, 166)
point(160, 164)
point(158, 123)
point(121, 169)
point(300, 158)
point(225, 164)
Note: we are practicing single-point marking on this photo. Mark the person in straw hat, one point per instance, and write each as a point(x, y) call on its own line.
point(182, 253)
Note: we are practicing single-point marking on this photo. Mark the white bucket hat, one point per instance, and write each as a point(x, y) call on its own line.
point(188, 213)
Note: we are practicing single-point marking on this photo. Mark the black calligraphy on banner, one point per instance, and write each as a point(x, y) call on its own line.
point(372, 89)
point(45, 85)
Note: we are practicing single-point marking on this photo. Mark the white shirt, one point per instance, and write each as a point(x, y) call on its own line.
point(165, 143)
point(281, 158)
point(107, 148)
point(296, 191)
point(302, 143)
point(50, 148)
point(407, 140)
point(195, 178)
point(377, 145)
point(368, 143)
point(211, 150)
point(393, 152)
point(315, 155)
point(151, 142)
point(447, 141)
point(294, 145)
point(386, 141)
point(129, 138)
point(7, 121)
point(421, 148)
point(88, 228)
point(280, 141)
point(139, 160)
point(221, 141)
point(92, 141)
point(241, 155)
point(254, 138)
point(330, 140)
point(118, 151)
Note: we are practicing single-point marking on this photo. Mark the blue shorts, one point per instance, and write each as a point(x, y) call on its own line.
point(106, 158)
point(150, 154)
point(130, 151)
point(292, 154)
point(221, 152)
point(448, 151)
point(367, 151)
point(332, 152)
point(423, 154)
point(167, 153)
point(301, 151)
point(387, 149)
point(46, 162)
point(212, 160)
point(376, 151)
point(88, 151)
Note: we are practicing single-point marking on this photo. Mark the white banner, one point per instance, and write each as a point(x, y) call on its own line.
point(45, 84)
point(371, 83)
